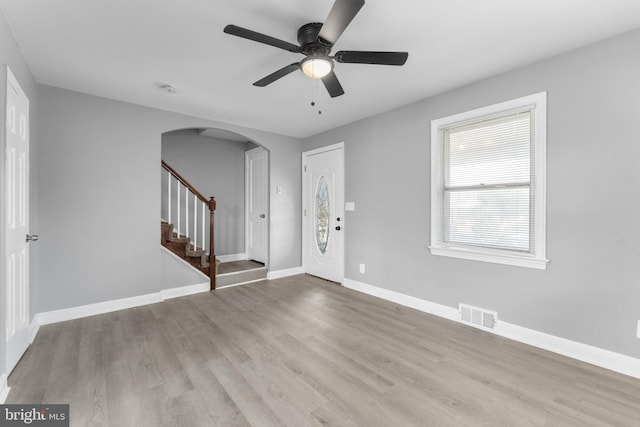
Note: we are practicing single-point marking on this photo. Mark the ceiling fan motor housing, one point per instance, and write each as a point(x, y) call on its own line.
point(310, 44)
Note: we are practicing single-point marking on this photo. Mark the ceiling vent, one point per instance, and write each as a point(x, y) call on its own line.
point(167, 87)
point(478, 316)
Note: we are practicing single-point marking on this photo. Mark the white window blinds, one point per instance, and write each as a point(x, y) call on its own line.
point(487, 183)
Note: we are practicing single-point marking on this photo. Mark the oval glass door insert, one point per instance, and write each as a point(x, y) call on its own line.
point(322, 214)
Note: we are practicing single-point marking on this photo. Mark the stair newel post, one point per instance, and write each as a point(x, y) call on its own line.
point(212, 252)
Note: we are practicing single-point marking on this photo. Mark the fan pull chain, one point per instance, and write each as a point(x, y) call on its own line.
point(315, 85)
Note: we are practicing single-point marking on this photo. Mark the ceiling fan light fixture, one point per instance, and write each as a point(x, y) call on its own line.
point(316, 68)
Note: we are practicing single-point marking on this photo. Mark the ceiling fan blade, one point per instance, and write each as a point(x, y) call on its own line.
point(362, 57)
point(234, 30)
point(333, 85)
point(278, 74)
point(341, 14)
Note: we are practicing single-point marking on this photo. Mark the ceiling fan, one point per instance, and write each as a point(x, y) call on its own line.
point(316, 41)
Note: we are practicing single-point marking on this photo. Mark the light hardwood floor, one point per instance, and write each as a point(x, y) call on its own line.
point(301, 351)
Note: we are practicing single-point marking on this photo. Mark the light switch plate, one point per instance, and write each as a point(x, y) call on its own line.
point(349, 206)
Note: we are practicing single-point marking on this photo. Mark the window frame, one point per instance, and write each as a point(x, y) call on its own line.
point(536, 257)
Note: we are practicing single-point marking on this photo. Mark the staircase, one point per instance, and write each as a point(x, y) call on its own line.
point(176, 204)
point(227, 273)
point(182, 247)
point(186, 238)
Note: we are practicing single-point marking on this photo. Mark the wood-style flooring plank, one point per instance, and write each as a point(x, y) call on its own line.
point(245, 397)
point(221, 407)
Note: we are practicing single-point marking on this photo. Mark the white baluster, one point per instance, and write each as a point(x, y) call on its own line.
point(204, 242)
point(195, 222)
point(169, 197)
point(186, 211)
point(178, 208)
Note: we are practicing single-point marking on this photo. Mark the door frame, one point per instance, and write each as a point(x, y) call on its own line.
point(338, 146)
point(267, 202)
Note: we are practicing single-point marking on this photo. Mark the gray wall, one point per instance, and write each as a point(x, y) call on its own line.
point(99, 197)
point(175, 273)
point(11, 56)
point(589, 292)
point(215, 167)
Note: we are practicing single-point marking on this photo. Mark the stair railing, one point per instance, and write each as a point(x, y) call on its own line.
point(182, 203)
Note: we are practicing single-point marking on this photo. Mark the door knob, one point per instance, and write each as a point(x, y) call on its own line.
point(338, 228)
point(31, 238)
point(261, 215)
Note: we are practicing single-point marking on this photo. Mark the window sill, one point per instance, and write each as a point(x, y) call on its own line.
point(493, 256)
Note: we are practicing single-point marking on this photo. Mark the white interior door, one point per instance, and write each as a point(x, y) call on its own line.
point(256, 161)
point(16, 222)
point(323, 212)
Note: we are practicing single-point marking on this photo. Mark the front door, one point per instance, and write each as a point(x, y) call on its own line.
point(16, 276)
point(323, 212)
point(256, 166)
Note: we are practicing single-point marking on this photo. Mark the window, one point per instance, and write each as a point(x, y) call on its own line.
point(488, 183)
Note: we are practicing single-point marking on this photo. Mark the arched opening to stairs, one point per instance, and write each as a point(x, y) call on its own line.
point(205, 168)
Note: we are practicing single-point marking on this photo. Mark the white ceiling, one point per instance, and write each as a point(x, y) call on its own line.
point(121, 49)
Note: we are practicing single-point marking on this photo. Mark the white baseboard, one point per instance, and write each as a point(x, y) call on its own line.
point(278, 274)
point(186, 290)
point(402, 299)
point(585, 353)
point(231, 257)
point(56, 316)
point(4, 388)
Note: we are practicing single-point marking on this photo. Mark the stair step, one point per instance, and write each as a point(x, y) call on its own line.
point(166, 230)
point(179, 239)
point(176, 247)
point(242, 276)
point(182, 247)
point(195, 254)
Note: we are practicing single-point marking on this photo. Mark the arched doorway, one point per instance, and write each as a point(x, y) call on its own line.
point(233, 169)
